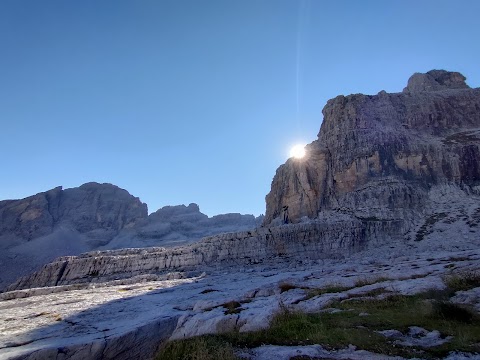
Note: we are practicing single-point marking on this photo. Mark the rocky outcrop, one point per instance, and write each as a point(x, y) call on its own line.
point(337, 238)
point(176, 225)
point(380, 156)
point(125, 320)
point(42, 227)
point(87, 209)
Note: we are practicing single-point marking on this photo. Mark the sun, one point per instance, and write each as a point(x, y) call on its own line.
point(298, 151)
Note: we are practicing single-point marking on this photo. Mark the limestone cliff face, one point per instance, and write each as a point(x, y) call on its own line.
point(314, 240)
point(40, 228)
point(379, 156)
point(86, 209)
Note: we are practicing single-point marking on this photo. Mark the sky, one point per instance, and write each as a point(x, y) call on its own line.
point(200, 101)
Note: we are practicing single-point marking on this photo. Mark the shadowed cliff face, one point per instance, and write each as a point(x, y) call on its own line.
point(87, 208)
point(380, 155)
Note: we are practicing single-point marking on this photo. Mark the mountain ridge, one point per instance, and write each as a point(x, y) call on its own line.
point(57, 222)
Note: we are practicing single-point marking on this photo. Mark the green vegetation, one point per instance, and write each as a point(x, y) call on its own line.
point(431, 310)
point(369, 281)
point(332, 288)
point(337, 288)
point(198, 348)
point(232, 307)
point(463, 281)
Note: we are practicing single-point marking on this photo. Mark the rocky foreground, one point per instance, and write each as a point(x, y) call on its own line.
point(130, 318)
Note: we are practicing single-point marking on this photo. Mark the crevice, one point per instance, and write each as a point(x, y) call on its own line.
point(60, 273)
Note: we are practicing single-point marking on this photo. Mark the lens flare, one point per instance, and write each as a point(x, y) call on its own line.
point(298, 151)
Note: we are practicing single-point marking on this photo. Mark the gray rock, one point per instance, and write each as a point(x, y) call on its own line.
point(40, 228)
point(299, 242)
point(378, 157)
point(86, 209)
point(435, 80)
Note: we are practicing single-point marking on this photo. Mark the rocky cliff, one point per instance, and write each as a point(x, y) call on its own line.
point(86, 209)
point(177, 225)
point(383, 156)
point(42, 227)
point(309, 241)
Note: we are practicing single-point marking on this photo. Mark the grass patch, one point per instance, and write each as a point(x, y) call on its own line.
point(207, 347)
point(374, 292)
point(463, 281)
point(206, 291)
point(332, 288)
point(338, 330)
point(451, 311)
point(232, 307)
point(369, 281)
point(285, 286)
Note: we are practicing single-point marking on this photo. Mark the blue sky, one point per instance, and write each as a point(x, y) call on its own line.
point(199, 101)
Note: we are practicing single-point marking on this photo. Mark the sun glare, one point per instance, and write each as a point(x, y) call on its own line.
point(298, 151)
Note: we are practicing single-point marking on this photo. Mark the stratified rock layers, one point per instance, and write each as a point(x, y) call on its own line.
point(378, 156)
point(314, 240)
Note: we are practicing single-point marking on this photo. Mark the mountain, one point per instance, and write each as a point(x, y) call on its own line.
point(384, 205)
point(42, 227)
point(388, 157)
point(179, 225)
point(386, 169)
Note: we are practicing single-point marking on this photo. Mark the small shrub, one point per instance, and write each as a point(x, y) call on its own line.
point(463, 281)
point(366, 281)
point(199, 348)
point(232, 307)
point(286, 287)
point(454, 312)
point(332, 288)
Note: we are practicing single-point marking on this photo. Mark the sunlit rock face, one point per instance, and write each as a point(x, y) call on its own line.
point(380, 156)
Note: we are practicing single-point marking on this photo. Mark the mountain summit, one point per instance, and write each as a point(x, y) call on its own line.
point(386, 156)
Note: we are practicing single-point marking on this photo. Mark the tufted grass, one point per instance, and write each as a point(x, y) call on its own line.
point(431, 310)
point(463, 281)
point(197, 348)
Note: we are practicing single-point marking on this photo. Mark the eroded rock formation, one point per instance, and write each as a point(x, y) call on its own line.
point(314, 240)
point(42, 227)
point(379, 156)
point(88, 208)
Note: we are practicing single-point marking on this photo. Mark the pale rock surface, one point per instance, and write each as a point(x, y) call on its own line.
point(301, 242)
point(130, 320)
point(416, 336)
